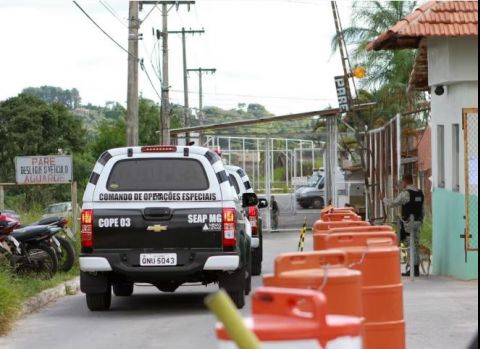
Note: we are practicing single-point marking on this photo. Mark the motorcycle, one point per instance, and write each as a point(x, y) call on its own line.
point(62, 242)
point(27, 250)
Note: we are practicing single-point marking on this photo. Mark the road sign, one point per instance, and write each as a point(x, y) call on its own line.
point(342, 93)
point(299, 181)
point(48, 169)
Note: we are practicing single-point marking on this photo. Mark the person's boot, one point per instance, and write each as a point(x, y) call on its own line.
point(416, 272)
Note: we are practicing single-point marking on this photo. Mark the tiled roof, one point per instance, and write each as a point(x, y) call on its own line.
point(433, 19)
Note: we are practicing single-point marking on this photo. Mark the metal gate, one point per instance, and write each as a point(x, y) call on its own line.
point(383, 165)
point(470, 127)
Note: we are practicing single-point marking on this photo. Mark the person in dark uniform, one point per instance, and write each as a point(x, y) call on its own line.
point(412, 201)
point(275, 211)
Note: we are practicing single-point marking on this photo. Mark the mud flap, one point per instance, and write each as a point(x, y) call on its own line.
point(94, 283)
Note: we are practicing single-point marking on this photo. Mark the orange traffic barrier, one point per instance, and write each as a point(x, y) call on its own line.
point(331, 209)
point(377, 256)
point(392, 334)
point(285, 318)
point(324, 271)
point(341, 216)
point(327, 209)
point(322, 229)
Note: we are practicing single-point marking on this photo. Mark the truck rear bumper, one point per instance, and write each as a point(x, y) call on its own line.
point(223, 263)
point(94, 264)
point(126, 264)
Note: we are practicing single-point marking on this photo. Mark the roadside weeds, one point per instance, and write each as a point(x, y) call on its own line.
point(20, 296)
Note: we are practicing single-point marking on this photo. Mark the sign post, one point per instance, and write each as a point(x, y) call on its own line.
point(2, 198)
point(43, 170)
point(46, 169)
point(342, 94)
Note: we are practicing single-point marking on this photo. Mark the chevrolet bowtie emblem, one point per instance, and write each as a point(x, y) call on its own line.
point(157, 228)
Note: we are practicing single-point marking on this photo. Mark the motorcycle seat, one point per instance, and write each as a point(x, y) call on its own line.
point(32, 232)
point(48, 221)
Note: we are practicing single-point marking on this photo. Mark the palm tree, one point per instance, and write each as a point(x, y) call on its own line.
point(388, 72)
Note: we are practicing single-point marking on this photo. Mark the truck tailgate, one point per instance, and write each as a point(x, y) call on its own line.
point(158, 229)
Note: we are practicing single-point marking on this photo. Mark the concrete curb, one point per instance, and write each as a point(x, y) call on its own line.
point(39, 301)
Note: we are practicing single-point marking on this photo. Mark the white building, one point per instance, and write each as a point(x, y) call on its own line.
point(446, 36)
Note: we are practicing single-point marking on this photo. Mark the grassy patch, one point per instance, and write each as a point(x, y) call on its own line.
point(15, 290)
point(10, 302)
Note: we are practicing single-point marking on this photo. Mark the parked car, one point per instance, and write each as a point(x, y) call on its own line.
point(313, 194)
point(62, 209)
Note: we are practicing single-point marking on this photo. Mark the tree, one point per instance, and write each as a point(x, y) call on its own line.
point(149, 122)
point(29, 126)
point(110, 134)
point(49, 94)
point(388, 72)
point(258, 110)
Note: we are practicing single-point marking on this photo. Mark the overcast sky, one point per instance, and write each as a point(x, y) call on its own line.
point(273, 52)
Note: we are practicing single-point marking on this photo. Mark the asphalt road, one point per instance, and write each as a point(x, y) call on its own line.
point(149, 319)
point(440, 313)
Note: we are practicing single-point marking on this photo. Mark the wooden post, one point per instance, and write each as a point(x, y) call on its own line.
point(74, 207)
point(2, 198)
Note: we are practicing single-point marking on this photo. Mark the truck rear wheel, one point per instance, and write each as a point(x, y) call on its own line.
point(238, 298)
point(257, 261)
point(235, 284)
point(99, 302)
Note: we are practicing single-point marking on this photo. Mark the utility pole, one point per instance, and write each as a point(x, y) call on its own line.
point(184, 33)
point(166, 6)
point(132, 87)
point(200, 72)
point(347, 69)
point(165, 117)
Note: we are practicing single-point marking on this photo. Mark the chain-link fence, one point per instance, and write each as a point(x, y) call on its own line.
point(470, 122)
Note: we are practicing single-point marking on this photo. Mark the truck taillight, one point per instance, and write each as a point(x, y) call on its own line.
point(229, 227)
point(253, 218)
point(86, 234)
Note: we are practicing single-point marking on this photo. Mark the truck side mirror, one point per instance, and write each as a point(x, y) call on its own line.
point(249, 200)
point(262, 203)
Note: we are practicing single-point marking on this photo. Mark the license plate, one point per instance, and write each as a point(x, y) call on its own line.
point(158, 260)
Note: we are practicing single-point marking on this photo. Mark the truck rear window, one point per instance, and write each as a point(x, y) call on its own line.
point(158, 175)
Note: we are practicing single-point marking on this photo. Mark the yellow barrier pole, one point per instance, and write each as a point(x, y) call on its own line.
point(222, 306)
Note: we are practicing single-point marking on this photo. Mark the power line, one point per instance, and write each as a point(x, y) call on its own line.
point(155, 70)
point(112, 11)
point(104, 32)
point(260, 96)
point(142, 65)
